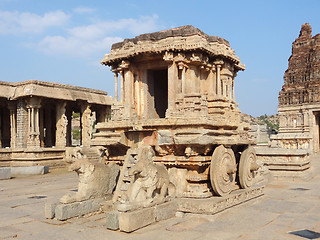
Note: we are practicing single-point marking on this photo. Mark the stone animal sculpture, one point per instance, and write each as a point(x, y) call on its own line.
point(151, 180)
point(96, 180)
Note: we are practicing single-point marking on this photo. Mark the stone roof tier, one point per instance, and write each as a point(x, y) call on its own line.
point(186, 38)
point(17, 90)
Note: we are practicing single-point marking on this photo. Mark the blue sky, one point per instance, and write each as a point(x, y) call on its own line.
point(64, 41)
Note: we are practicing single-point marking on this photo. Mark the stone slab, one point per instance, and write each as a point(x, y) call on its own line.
point(112, 220)
point(5, 173)
point(49, 209)
point(166, 210)
point(32, 170)
point(217, 204)
point(70, 210)
point(131, 221)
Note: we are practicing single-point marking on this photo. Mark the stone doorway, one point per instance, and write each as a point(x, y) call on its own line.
point(5, 134)
point(158, 88)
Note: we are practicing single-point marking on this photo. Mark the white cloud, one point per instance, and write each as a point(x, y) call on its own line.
point(76, 47)
point(84, 10)
point(25, 22)
point(83, 41)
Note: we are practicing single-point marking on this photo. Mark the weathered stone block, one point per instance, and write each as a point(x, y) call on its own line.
point(130, 221)
point(112, 220)
point(217, 204)
point(49, 209)
point(70, 210)
point(166, 210)
point(33, 170)
point(5, 173)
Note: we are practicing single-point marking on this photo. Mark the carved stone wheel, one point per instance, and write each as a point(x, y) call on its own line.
point(247, 167)
point(223, 171)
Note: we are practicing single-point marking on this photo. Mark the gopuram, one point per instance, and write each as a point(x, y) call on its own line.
point(299, 111)
point(36, 120)
point(175, 136)
point(299, 99)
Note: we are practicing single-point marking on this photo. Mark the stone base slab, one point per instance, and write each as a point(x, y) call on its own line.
point(33, 170)
point(133, 220)
point(287, 164)
point(63, 212)
point(5, 173)
point(217, 204)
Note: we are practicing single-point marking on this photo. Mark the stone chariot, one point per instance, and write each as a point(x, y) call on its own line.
point(177, 95)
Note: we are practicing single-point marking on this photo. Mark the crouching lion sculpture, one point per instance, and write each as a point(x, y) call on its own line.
point(96, 180)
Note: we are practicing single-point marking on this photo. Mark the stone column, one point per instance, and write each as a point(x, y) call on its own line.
point(172, 81)
point(61, 124)
point(33, 106)
point(218, 77)
point(224, 87)
point(13, 128)
point(212, 82)
point(122, 86)
point(137, 95)
point(22, 124)
point(115, 85)
point(128, 80)
point(183, 69)
point(233, 91)
point(86, 124)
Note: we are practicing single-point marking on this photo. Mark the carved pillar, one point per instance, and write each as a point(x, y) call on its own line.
point(22, 124)
point(183, 69)
point(33, 106)
point(128, 81)
point(86, 124)
point(212, 82)
point(172, 80)
point(233, 91)
point(121, 86)
point(13, 128)
point(61, 124)
point(224, 87)
point(115, 85)
point(218, 67)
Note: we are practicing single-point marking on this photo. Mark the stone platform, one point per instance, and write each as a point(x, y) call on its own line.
point(132, 220)
point(291, 164)
point(284, 208)
point(217, 204)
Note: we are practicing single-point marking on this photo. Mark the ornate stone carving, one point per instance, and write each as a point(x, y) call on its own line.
point(96, 180)
point(151, 180)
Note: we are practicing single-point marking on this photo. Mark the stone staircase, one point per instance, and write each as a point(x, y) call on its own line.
point(92, 153)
